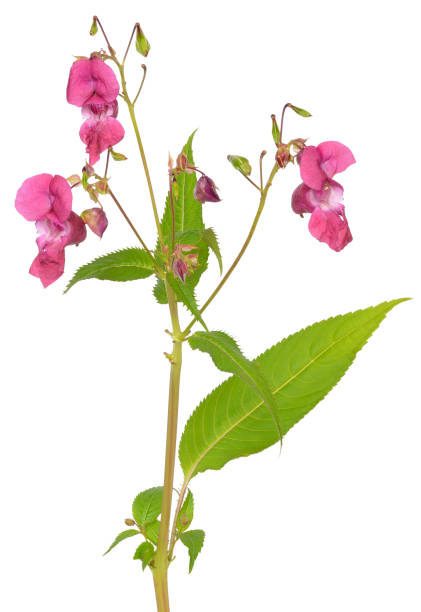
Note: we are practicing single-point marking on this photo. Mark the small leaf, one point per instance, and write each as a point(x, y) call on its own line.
point(186, 295)
point(123, 536)
point(300, 111)
point(124, 265)
point(147, 506)
point(227, 356)
point(185, 516)
point(152, 531)
point(117, 156)
point(194, 541)
point(211, 240)
point(275, 130)
point(94, 28)
point(144, 553)
point(142, 44)
point(232, 420)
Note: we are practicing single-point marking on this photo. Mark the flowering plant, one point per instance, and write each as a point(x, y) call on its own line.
point(263, 397)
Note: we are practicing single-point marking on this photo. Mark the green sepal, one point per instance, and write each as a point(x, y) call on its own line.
point(147, 506)
point(94, 28)
point(275, 130)
point(185, 515)
point(125, 265)
point(193, 540)
point(129, 533)
point(142, 44)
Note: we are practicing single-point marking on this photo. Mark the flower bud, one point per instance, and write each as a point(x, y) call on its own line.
point(282, 155)
point(183, 164)
point(88, 170)
point(275, 130)
point(102, 187)
point(298, 144)
point(186, 260)
point(130, 522)
point(74, 180)
point(180, 269)
point(94, 28)
point(142, 43)
point(117, 156)
point(205, 190)
point(96, 220)
point(240, 163)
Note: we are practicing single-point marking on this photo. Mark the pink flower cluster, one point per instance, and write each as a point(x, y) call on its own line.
point(93, 86)
point(321, 196)
point(47, 200)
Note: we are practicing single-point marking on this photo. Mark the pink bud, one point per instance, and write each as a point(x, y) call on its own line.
point(180, 269)
point(282, 155)
point(205, 190)
point(96, 220)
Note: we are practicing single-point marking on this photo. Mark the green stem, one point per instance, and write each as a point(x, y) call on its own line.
point(243, 249)
point(161, 560)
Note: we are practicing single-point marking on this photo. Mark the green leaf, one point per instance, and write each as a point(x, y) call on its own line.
point(209, 236)
point(147, 506)
point(185, 515)
point(232, 421)
point(124, 265)
point(194, 541)
point(123, 536)
point(185, 294)
point(144, 553)
point(227, 356)
point(300, 111)
point(152, 531)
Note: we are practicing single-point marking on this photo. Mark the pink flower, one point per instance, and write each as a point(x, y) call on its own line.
point(100, 111)
point(96, 220)
point(320, 195)
point(47, 200)
point(100, 134)
point(324, 161)
point(328, 222)
point(91, 81)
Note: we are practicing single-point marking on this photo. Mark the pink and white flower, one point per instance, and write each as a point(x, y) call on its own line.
point(91, 81)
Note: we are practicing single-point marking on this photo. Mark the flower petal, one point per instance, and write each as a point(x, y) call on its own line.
point(335, 157)
point(330, 227)
point(300, 200)
point(91, 81)
point(61, 193)
point(99, 135)
point(310, 170)
point(33, 197)
point(48, 266)
point(75, 229)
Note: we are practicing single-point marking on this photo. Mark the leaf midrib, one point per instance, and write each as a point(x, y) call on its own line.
point(290, 379)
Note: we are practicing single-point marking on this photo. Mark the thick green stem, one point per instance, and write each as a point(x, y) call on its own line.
point(161, 560)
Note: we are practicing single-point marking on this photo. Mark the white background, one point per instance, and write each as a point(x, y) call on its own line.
point(332, 524)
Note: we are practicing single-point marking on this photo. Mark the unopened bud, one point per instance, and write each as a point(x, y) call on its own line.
point(117, 156)
point(282, 155)
point(142, 44)
point(298, 144)
point(94, 28)
point(241, 164)
point(130, 522)
point(88, 170)
point(275, 130)
point(96, 220)
point(74, 180)
point(102, 187)
point(205, 190)
point(300, 111)
point(183, 164)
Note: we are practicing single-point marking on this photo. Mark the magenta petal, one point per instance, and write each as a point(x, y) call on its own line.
point(330, 227)
point(48, 266)
point(80, 86)
point(300, 201)
point(91, 81)
point(99, 135)
point(33, 197)
point(335, 157)
point(106, 84)
point(310, 170)
point(61, 193)
point(75, 230)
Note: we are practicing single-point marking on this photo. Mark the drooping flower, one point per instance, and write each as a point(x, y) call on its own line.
point(91, 81)
point(320, 195)
point(96, 220)
point(47, 200)
point(99, 134)
point(205, 190)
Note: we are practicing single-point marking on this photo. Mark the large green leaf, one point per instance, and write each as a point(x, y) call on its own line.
point(194, 541)
point(232, 420)
point(129, 533)
point(147, 506)
point(227, 356)
point(124, 265)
